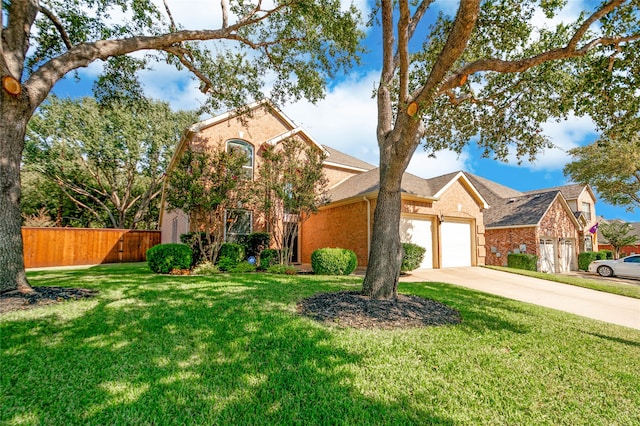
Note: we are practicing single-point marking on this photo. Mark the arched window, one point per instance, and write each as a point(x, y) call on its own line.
point(245, 148)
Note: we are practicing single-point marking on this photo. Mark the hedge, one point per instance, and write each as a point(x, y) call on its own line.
point(333, 261)
point(164, 258)
point(524, 261)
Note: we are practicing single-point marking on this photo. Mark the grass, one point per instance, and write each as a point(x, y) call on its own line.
point(230, 349)
point(629, 290)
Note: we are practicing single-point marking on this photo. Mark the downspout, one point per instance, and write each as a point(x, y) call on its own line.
point(368, 227)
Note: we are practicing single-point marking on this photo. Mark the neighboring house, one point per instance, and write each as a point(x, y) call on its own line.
point(552, 223)
point(603, 244)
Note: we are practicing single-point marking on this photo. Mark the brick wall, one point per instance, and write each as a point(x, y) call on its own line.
point(501, 242)
point(343, 226)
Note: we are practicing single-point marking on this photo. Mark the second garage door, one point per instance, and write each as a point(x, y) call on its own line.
point(456, 244)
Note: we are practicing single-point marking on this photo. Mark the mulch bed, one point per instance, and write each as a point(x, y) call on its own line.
point(15, 300)
point(352, 309)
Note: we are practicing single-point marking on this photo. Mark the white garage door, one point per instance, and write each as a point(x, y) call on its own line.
point(456, 244)
point(418, 231)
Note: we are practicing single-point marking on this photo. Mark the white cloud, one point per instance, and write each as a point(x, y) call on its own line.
point(565, 135)
point(445, 162)
point(345, 120)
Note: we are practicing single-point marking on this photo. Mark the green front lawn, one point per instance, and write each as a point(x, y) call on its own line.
point(629, 290)
point(230, 349)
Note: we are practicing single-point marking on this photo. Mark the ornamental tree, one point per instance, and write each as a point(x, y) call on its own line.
point(296, 44)
point(206, 186)
point(619, 235)
point(487, 72)
point(291, 186)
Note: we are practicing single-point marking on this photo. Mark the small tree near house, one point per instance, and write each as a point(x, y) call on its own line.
point(290, 187)
point(206, 185)
point(618, 234)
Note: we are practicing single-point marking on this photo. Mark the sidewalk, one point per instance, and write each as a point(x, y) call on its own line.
point(593, 304)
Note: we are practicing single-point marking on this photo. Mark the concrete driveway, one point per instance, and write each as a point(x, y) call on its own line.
point(594, 304)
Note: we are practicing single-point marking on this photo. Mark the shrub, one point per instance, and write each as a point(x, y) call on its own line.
point(163, 258)
point(256, 242)
point(206, 268)
point(333, 261)
point(241, 267)
point(225, 263)
point(585, 258)
point(412, 257)
point(268, 258)
point(282, 269)
point(605, 254)
point(528, 262)
point(233, 251)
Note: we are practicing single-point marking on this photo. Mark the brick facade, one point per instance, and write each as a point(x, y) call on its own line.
point(556, 225)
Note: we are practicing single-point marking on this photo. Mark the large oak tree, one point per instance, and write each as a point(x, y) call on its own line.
point(486, 73)
point(295, 44)
point(110, 161)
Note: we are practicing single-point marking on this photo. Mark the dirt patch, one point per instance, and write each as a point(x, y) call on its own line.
point(15, 300)
point(352, 309)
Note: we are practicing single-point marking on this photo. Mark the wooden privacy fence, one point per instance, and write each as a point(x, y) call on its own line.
point(85, 246)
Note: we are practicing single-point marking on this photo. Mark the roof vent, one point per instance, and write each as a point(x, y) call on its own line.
point(511, 201)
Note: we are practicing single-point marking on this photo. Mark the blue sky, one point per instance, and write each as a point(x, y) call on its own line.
point(346, 118)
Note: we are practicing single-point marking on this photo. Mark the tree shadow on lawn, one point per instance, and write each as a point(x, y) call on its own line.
point(187, 352)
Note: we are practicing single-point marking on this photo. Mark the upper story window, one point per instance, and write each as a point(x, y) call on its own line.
point(586, 211)
point(247, 150)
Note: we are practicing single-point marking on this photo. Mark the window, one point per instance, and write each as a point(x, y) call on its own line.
point(247, 150)
point(238, 223)
point(586, 211)
point(588, 244)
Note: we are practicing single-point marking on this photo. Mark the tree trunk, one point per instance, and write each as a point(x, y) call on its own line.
point(385, 256)
point(14, 115)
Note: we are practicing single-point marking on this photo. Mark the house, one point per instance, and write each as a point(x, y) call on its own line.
point(443, 214)
point(251, 129)
point(461, 219)
point(551, 223)
point(603, 244)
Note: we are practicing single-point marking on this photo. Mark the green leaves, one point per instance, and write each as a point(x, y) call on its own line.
point(612, 166)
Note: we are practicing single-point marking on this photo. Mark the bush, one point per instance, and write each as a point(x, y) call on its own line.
point(412, 257)
point(585, 258)
point(282, 269)
point(225, 263)
point(605, 254)
point(255, 243)
point(206, 268)
point(268, 258)
point(163, 258)
point(333, 261)
point(233, 251)
point(242, 267)
point(528, 262)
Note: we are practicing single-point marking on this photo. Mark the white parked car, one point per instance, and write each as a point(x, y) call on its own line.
point(627, 267)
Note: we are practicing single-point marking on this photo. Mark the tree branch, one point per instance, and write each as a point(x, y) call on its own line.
point(56, 23)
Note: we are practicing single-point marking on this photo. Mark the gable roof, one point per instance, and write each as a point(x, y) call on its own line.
point(340, 159)
point(526, 210)
point(569, 192)
point(368, 184)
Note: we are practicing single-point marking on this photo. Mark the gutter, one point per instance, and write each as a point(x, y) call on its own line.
point(368, 226)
